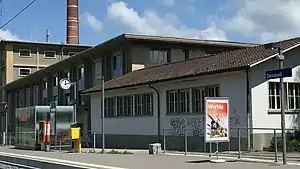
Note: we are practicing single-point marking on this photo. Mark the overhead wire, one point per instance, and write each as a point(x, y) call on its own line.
point(27, 6)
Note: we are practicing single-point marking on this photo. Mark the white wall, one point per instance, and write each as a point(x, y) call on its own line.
point(144, 125)
point(260, 93)
point(232, 85)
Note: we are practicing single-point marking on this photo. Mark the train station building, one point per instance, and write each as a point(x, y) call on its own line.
point(156, 85)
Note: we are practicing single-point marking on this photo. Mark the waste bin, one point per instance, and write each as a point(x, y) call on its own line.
point(154, 148)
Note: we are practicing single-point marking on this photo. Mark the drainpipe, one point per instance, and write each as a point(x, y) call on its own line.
point(158, 111)
point(249, 114)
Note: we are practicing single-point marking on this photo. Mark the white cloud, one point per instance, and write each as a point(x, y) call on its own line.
point(150, 22)
point(91, 21)
point(7, 35)
point(264, 20)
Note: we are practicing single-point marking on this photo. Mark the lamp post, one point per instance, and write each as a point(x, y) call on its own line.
point(102, 113)
point(280, 57)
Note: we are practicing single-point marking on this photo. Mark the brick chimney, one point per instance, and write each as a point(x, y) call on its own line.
point(72, 22)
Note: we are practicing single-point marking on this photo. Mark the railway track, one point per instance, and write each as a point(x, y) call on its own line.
point(10, 165)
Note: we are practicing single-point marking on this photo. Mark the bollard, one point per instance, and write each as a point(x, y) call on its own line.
point(94, 140)
point(185, 142)
point(164, 140)
point(239, 142)
point(275, 144)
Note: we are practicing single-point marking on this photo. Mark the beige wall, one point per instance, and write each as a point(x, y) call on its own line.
point(141, 55)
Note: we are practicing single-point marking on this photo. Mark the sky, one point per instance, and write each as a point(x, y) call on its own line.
point(256, 21)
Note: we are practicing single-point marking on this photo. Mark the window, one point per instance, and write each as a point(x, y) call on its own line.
point(98, 72)
point(27, 97)
point(21, 98)
point(49, 54)
point(24, 53)
point(124, 106)
point(71, 53)
point(186, 54)
point(292, 96)
point(24, 71)
point(114, 62)
point(109, 106)
point(159, 56)
point(45, 85)
point(130, 105)
point(181, 100)
point(55, 81)
point(143, 104)
point(35, 95)
point(80, 72)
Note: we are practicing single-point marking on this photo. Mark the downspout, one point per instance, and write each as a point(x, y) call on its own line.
point(249, 113)
point(158, 112)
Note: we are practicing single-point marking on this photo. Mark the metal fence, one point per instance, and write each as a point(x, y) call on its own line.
point(244, 142)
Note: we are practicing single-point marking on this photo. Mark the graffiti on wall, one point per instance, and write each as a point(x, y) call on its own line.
point(195, 125)
point(234, 118)
point(180, 124)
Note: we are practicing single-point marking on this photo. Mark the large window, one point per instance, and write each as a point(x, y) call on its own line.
point(189, 100)
point(129, 105)
point(143, 104)
point(109, 107)
point(35, 95)
point(160, 56)
point(124, 105)
point(28, 97)
point(292, 96)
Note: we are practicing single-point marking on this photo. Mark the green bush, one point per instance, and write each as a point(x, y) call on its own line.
point(292, 142)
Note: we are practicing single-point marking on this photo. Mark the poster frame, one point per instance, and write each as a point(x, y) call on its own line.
point(206, 100)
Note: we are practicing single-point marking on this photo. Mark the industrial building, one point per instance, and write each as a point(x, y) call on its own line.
point(143, 105)
point(111, 59)
point(21, 58)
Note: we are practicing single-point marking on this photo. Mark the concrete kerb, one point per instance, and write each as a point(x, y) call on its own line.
point(235, 159)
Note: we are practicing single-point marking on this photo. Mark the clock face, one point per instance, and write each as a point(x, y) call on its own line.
point(65, 83)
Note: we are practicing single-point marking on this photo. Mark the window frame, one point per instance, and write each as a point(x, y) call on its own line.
point(24, 69)
point(28, 50)
point(277, 105)
point(191, 100)
point(49, 51)
point(157, 61)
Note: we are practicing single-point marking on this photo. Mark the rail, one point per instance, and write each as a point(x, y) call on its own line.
point(10, 165)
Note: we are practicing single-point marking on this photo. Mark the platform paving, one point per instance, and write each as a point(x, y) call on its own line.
point(140, 160)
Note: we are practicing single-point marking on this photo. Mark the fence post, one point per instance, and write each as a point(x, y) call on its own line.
point(164, 140)
point(94, 141)
point(239, 142)
point(275, 144)
point(9, 140)
point(209, 149)
point(185, 142)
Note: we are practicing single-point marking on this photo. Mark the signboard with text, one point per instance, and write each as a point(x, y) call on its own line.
point(216, 119)
point(279, 73)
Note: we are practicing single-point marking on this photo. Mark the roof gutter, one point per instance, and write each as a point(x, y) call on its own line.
point(272, 56)
point(158, 112)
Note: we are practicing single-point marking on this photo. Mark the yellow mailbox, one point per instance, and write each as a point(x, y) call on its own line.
point(75, 133)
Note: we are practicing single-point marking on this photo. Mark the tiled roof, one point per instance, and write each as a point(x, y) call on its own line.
point(226, 61)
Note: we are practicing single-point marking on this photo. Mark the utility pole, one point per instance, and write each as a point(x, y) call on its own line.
point(280, 57)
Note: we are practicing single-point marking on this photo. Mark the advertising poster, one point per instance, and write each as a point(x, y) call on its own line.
point(216, 119)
